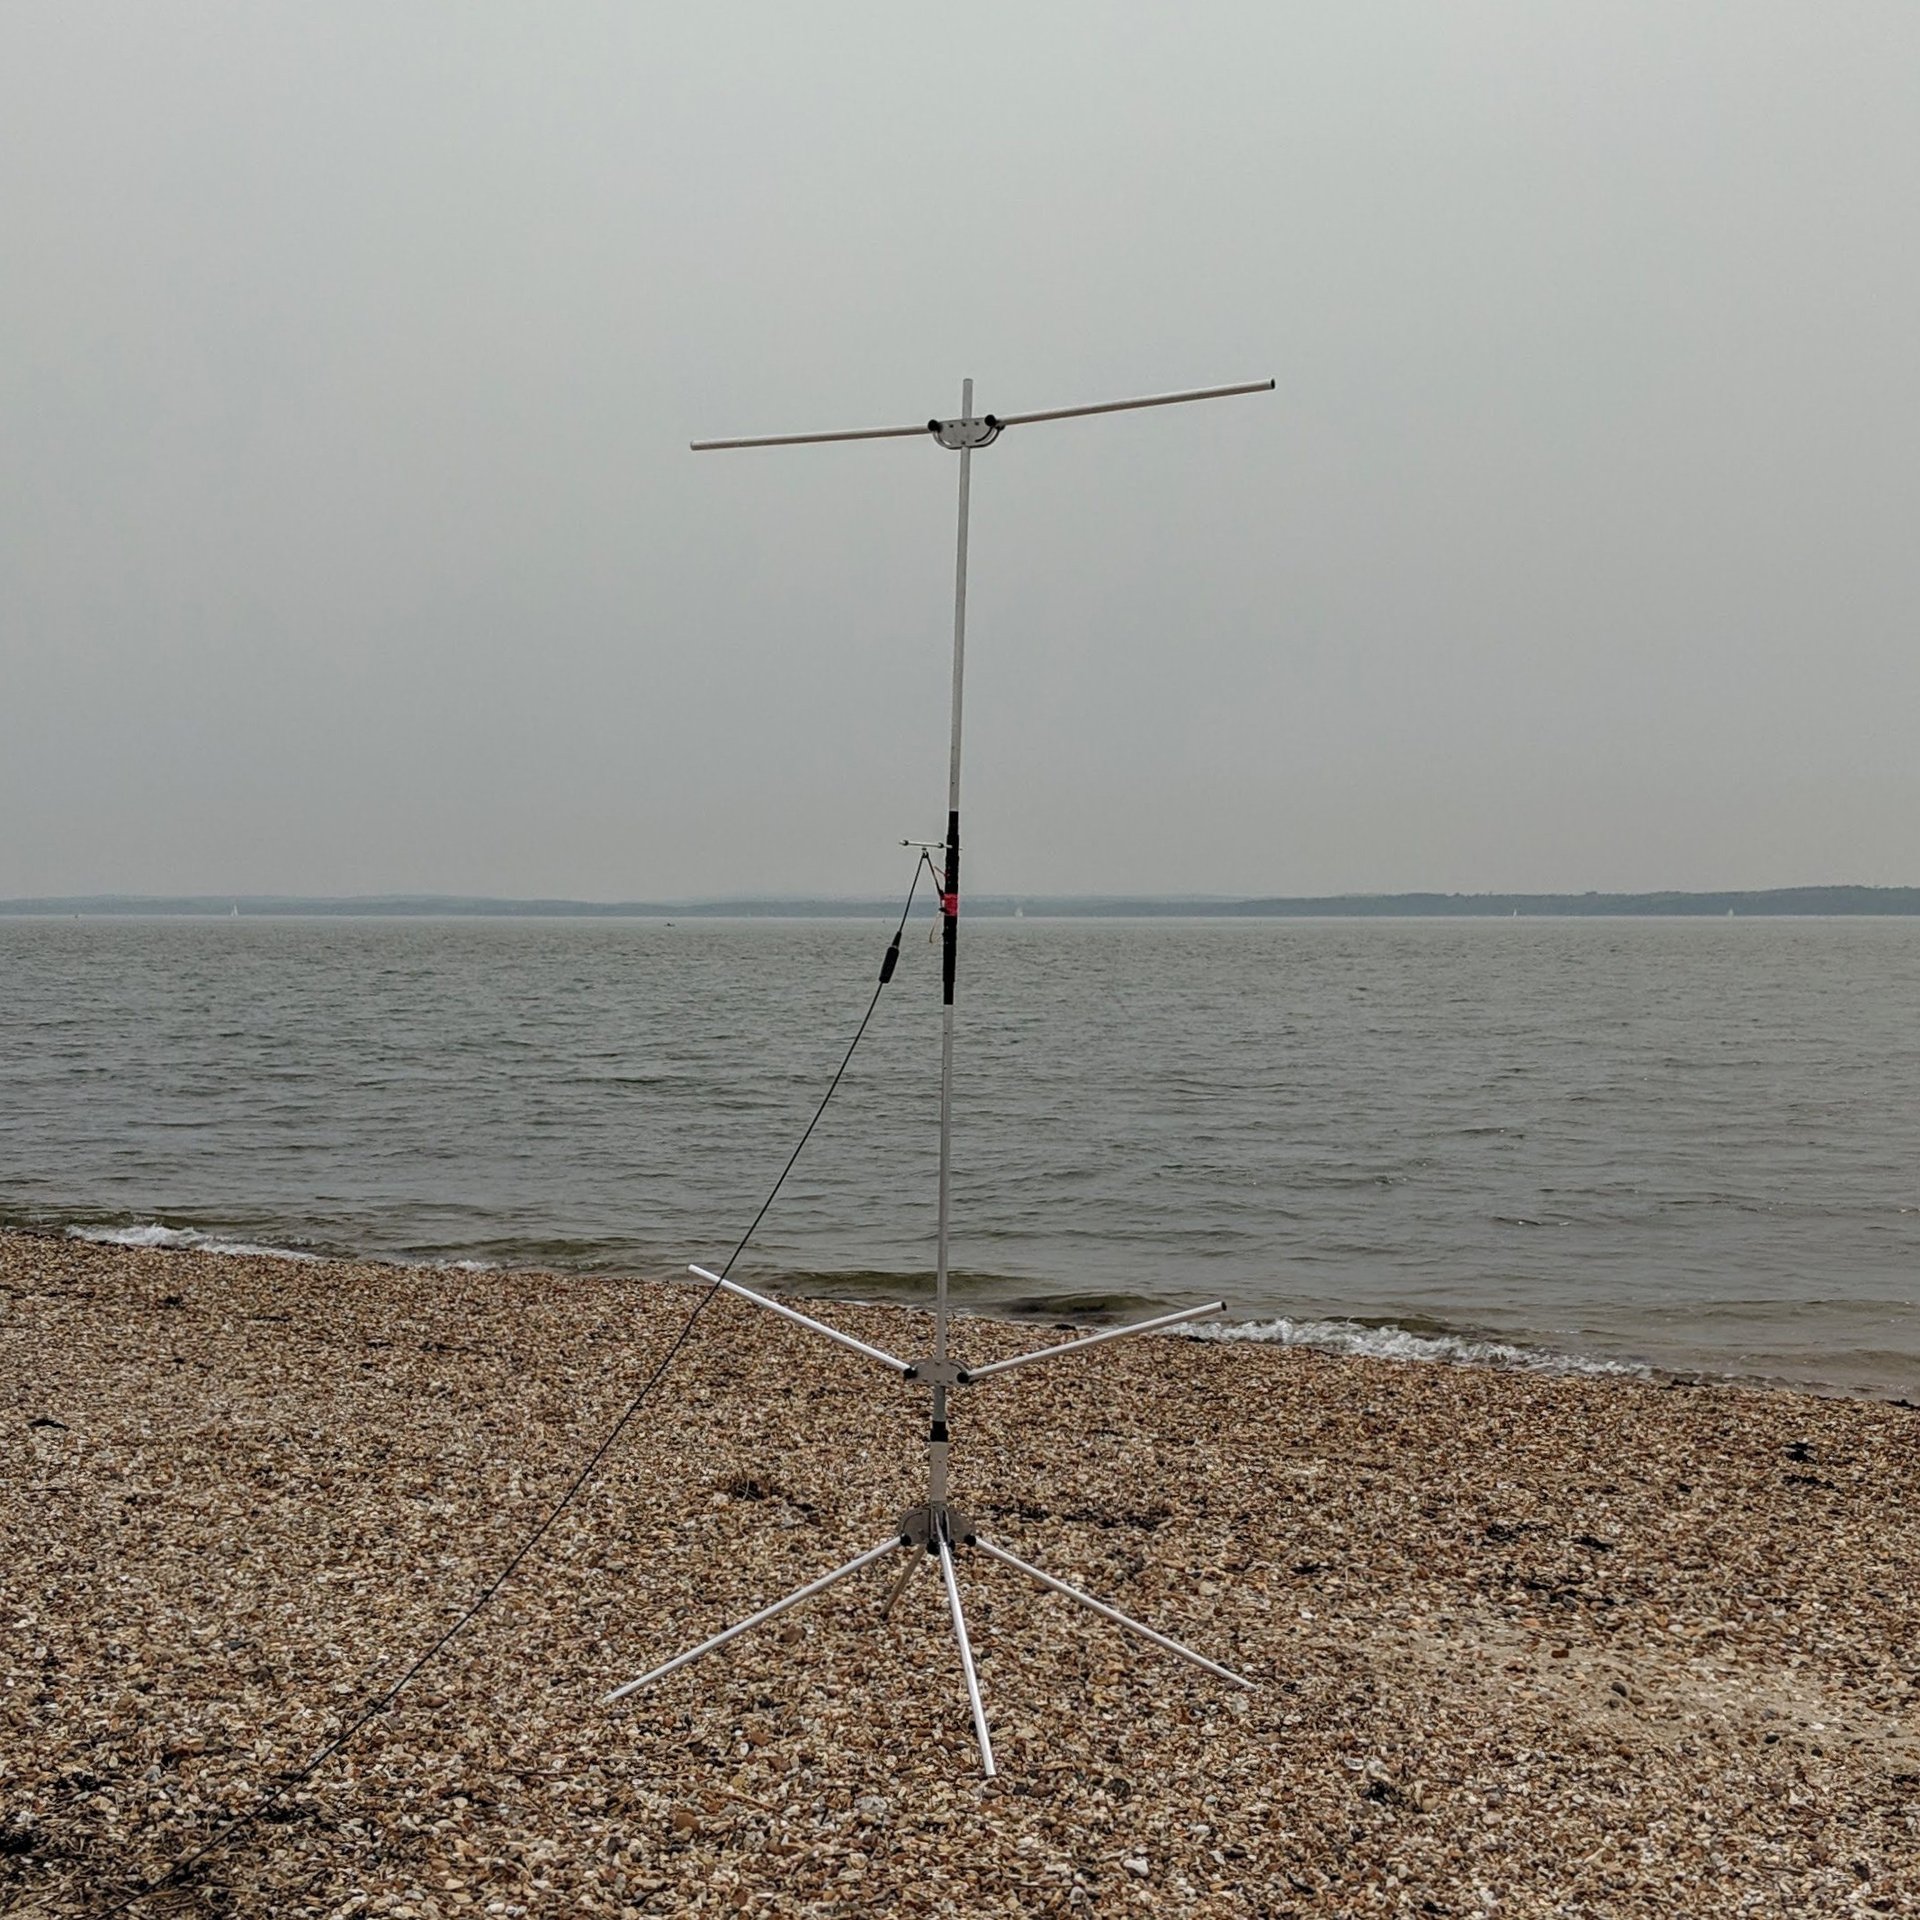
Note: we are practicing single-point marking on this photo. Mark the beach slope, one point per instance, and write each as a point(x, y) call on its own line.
point(1524, 1644)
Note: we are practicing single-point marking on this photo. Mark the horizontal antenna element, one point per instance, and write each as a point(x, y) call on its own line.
point(972, 432)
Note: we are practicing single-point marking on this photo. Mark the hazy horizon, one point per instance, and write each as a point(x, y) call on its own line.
point(1835, 900)
point(349, 543)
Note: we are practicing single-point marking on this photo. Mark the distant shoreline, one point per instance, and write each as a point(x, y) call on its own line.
point(1772, 902)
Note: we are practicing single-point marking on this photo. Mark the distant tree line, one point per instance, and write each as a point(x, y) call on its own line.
point(1775, 901)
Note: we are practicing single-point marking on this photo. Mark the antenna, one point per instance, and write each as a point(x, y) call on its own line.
point(935, 1529)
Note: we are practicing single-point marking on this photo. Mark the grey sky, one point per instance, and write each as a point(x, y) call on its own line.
point(348, 354)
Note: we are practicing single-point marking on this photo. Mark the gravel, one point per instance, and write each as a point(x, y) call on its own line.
point(1524, 1644)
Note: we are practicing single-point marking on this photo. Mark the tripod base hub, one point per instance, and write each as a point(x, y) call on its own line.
point(926, 1525)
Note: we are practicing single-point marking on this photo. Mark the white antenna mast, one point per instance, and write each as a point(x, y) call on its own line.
point(934, 1529)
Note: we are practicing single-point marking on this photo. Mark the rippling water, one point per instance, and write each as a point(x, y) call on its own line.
point(1688, 1144)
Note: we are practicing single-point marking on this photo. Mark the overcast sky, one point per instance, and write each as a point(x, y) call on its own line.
point(349, 541)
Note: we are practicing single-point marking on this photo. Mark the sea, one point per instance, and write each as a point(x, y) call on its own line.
point(1675, 1147)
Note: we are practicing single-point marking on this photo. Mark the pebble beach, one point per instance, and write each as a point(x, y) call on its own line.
point(1523, 1643)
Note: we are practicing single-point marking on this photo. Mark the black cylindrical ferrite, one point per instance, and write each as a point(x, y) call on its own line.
point(891, 961)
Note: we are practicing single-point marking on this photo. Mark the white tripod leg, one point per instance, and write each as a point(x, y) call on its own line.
point(807, 1592)
point(900, 1586)
point(1114, 1614)
point(966, 1660)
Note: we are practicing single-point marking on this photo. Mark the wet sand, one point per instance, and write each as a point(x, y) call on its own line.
point(1523, 1644)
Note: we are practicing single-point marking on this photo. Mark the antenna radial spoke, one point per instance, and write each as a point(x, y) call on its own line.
point(1091, 1340)
point(806, 1320)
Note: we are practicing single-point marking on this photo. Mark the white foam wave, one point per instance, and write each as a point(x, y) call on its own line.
point(155, 1235)
point(1401, 1343)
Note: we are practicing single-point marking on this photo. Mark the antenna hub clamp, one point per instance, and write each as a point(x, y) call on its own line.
point(961, 436)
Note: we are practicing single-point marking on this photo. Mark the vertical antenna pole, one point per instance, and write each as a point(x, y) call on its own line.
point(949, 962)
point(950, 902)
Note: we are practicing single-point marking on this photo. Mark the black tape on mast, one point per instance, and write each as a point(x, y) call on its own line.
point(950, 910)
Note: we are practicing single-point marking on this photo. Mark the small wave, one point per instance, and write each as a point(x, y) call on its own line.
point(153, 1234)
point(1401, 1343)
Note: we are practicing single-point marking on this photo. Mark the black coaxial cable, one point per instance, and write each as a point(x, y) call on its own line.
point(580, 1479)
